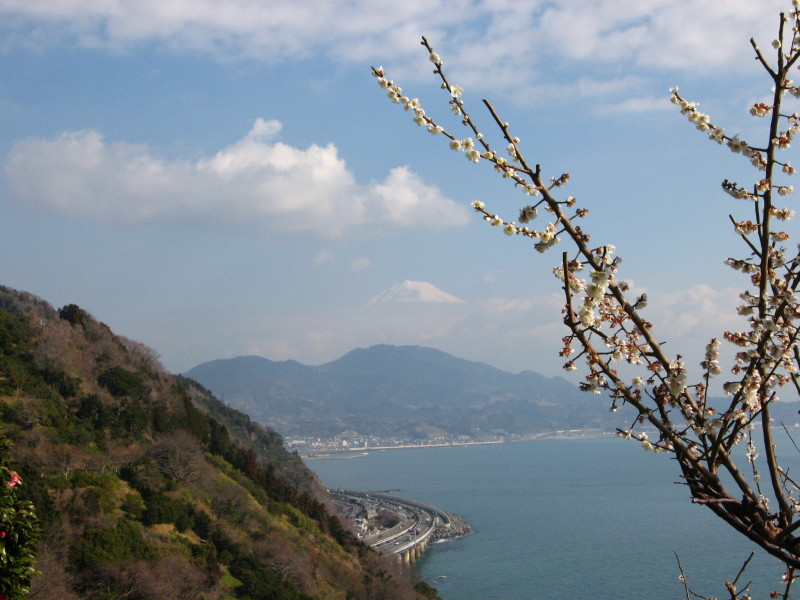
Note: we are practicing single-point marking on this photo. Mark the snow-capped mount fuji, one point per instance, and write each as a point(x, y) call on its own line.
point(415, 291)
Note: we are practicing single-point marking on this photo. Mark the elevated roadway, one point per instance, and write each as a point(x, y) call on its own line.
point(416, 523)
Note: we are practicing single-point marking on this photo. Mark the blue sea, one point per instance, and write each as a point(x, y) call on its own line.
point(557, 519)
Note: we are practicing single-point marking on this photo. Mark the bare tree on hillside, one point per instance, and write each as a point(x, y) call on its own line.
point(178, 457)
point(608, 332)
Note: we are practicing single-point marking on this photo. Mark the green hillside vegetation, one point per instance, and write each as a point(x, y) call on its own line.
point(148, 487)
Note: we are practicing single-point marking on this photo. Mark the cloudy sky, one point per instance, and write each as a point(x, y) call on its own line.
point(224, 177)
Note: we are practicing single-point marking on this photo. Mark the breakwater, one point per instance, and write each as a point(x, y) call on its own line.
point(457, 528)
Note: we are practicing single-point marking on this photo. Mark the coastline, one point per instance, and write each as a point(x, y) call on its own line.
point(571, 434)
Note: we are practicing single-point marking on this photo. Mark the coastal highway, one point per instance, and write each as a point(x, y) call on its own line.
point(416, 522)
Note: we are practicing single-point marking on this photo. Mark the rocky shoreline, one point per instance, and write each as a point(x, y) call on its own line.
point(458, 528)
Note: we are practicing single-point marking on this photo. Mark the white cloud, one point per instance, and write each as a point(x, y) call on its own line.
point(490, 42)
point(688, 34)
point(321, 258)
point(699, 311)
point(270, 31)
point(359, 265)
point(538, 51)
point(645, 104)
point(255, 182)
point(403, 198)
point(517, 307)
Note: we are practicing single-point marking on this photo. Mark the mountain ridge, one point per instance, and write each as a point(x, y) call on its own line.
point(399, 390)
point(409, 392)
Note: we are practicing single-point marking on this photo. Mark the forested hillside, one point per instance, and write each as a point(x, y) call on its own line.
point(147, 487)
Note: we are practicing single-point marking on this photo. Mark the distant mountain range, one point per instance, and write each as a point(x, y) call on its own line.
point(406, 391)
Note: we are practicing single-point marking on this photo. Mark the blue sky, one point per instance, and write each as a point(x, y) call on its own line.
point(224, 177)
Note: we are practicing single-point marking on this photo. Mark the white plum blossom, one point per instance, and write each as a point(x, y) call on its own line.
point(738, 145)
point(527, 214)
point(782, 214)
point(586, 316)
point(752, 455)
point(512, 152)
point(607, 330)
point(716, 134)
point(676, 381)
point(530, 190)
point(711, 362)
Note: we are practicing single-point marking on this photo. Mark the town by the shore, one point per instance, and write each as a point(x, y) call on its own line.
point(347, 447)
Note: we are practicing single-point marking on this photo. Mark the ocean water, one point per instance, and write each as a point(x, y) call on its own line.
point(558, 519)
